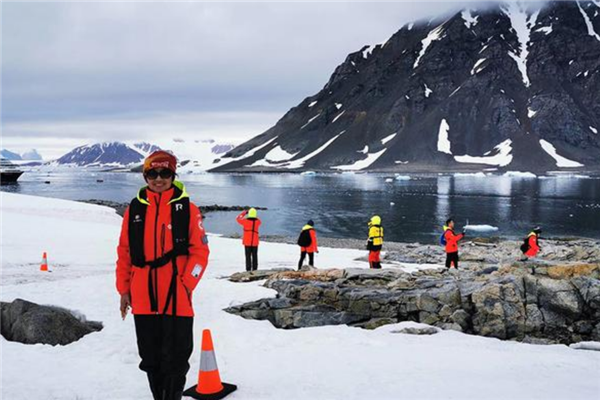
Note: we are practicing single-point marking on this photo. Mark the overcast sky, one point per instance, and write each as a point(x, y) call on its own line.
point(75, 73)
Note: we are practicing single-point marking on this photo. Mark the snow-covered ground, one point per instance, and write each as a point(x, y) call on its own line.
point(336, 362)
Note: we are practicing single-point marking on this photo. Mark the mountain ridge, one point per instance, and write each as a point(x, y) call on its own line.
point(503, 88)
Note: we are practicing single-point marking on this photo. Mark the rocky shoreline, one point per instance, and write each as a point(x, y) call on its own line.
point(554, 299)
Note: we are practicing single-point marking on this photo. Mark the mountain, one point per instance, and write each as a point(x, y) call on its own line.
point(196, 155)
point(146, 148)
point(32, 155)
point(507, 87)
point(192, 155)
point(9, 155)
point(107, 154)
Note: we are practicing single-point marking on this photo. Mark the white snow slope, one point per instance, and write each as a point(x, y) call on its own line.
point(335, 362)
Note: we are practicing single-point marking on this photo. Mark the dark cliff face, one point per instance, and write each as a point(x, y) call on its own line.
point(503, 88)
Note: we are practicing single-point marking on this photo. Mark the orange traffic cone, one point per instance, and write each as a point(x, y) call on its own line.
point(209, 385)
point(44, 266)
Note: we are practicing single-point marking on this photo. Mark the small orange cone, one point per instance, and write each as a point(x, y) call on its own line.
point(209, 385)
point(44, 266)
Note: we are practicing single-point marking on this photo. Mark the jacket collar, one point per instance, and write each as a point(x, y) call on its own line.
point(175, 193)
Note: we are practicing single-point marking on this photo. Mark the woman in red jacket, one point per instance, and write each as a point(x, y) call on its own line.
point(308, 244)
point(162, 254)
point(249, 220)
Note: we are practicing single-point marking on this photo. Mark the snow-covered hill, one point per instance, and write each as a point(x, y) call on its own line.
point(509, 86)
point(31, 155)
point(107, 154)
point(9, 155)
point(196, 155)
point(193, 155)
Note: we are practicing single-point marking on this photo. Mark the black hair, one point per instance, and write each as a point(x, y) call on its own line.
point(449, 220)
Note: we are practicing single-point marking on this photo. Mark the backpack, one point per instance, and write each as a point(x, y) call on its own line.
point(304, 240)
point(525, 245)
point(443, 239)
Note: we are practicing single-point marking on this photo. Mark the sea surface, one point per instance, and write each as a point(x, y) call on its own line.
point(411, 209)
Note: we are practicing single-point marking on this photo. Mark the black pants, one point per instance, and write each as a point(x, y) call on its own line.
point(311, 259)
point(452, 258)
point(251, 258)
point(165, 344)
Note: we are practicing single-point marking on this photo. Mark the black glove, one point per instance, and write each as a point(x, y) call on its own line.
point(464, 232)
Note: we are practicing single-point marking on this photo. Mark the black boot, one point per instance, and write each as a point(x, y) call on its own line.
point(173, 387)
point(156, 381)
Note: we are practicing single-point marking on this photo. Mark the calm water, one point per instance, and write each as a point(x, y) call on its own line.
point(341, 205)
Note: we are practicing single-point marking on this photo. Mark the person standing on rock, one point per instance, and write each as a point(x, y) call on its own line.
point(375, 242)
point(531, 244)
point(162, 255)
point(308, 244)
point(250, 222)
point(451, 243)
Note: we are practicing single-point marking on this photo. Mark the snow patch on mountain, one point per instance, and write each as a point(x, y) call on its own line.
point(588, 23)
point(310, 120)
point(361, 164)
point(388, 138)
point(432, 36)
point(274, 156)
point(560, 160)
point(32, 155)
point(338, 116)
point(522, 23)
point(427, 91)
point(299, 163)
point(443, 144)
point(502, 158)
point(476, 69)
point(470, 20)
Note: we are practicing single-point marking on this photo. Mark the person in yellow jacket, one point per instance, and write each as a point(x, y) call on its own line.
point(375, 242)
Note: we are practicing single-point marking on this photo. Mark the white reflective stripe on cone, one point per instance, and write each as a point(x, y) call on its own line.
point(208, 361)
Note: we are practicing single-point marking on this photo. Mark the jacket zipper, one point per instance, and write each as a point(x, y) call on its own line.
point(156, 249)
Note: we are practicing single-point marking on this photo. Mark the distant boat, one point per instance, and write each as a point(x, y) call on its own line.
point(9, 173)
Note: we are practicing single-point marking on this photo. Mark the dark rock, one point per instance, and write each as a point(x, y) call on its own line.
point(30, 323)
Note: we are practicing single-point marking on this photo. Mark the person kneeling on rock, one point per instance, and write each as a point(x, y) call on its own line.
point(531, 245)
point(308, 244)
point(375, 242)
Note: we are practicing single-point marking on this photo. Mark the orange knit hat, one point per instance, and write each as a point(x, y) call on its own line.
point(160, 159)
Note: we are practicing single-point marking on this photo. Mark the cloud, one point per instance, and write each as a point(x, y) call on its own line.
point(114, 69)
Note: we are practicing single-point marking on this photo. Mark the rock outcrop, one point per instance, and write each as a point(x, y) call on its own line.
point(30, 323)
point(536, 302)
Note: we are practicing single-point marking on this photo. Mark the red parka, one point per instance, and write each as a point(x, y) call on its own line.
point(452, 240)
point(313, 240)
point(251, 225)
point(157, 242)
point(534, 248)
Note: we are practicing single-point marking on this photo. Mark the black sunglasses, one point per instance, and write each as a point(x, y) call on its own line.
point(164, 173)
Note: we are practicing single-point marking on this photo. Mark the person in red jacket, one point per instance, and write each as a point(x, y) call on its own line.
point(532, 245)
point(249, 220)
point(452, 244)
point(308, 244)
point(162, 255)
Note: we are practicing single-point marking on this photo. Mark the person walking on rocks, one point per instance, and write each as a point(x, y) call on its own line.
point(250, 222)
point(375, 242)
point(162, 255)
point(451, 243)
point(531, 244)
point(308, 244)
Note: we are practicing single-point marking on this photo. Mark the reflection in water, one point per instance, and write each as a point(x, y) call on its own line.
point(341, 205)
